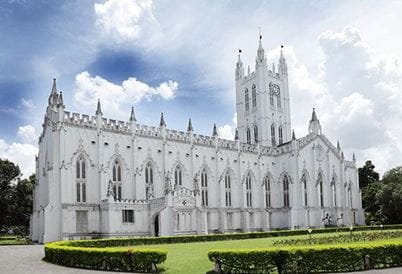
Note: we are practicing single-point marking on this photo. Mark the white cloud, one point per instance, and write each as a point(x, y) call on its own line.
point(27, 134)
point(123, 20)
point(228, 131)
point(89, 89)
point(21, 154)
point(27, 103)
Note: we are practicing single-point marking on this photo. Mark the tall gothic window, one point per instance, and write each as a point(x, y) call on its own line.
point(246, 100)
point(204, 188)
point(333, 186)
point(116, 180)
point(273, 135)
point(178, 176)
point(350, 196)
point(267, 189)
point(320, 189)
point(278, 98)
point(81, 180)
point(149, 180)
point(271, 98)
point(305, 191)
point(228, 190)
point(286, 199)
point(255, 134)
point(280, 132)
point(249, 194)
point(254, 96)
point(248, 135)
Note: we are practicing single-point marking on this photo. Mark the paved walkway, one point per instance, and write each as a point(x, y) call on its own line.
point(27, 259)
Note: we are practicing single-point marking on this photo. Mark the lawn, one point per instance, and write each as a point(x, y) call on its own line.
point(192, 257)
point(12, 240)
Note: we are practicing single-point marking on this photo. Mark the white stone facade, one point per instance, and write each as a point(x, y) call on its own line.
point(99, 177)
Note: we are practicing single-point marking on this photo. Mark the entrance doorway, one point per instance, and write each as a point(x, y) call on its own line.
point(156, 225)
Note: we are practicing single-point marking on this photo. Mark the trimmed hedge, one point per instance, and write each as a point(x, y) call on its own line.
point(218, 237)
point(107, 258)
point(345, 238)
point(314, 259)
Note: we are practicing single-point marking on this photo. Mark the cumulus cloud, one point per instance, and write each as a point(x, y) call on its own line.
point(21, 154)
point(228, 131)
point(123, 20)
point(27, 134)
point(89, 89)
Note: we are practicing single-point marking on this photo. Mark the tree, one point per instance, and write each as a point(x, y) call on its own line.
point(22, 204)
point(9, 173)
point(367, 175)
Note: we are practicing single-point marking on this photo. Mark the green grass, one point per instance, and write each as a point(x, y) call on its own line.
point(12, 240)
point(192, 257)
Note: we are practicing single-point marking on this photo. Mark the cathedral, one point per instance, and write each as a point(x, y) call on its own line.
point(98, 177)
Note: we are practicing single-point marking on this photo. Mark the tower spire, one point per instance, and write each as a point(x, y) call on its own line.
point(98, 109)
point(214, 132)
point(282, 67)
point(132, 115)
point(239, 67)
point(190, 126)
point(162, 122)
point(314, 126)
point(54, 96)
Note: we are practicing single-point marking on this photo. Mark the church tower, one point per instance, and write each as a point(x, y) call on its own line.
point(262, 101)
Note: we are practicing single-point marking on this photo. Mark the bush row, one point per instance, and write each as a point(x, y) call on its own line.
point(314, 259)
point(113, 258)
point(217, 237)
point(343, 238)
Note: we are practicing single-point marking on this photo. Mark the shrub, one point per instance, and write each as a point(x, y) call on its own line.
point(107, 258)
point(314, 259)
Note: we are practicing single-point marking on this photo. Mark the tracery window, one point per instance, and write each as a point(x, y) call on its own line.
point(305, 190)
point(271, 98)
point(178, 176)
point(273, 135)
point(255, 134)
point(320, 189)
point(228, 190)
point(116, 180)
point(246, 100)
point(254, 96)
point(278, 99)
point(204, 188)
point(280, 132)
point(267, 189)
point(149, 180)
point(248, 136)
point(333, 186)
point(249, 194)
point(81, 192)
point(286, 199)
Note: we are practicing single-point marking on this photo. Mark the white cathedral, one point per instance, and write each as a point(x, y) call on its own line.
point(98, 177)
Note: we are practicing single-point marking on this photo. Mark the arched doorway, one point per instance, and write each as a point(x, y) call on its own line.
point(156, 225)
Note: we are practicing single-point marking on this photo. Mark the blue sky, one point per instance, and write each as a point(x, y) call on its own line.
point(178, 57)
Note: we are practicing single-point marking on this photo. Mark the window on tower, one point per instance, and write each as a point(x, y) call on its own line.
point(204, 188)
point(273, 135)
point(254, 96)
point(280, 132)
point(248, 135)
point(246, 100)
point(249, 194)
point(255, 134)
point(116, 182)
point(228, 190)
point(286, 199)
point(177, 176)
point(81, 180)
point(267, 188)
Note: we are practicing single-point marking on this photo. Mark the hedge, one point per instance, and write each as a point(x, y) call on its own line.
point(309, 259)
point(343, 238)
point(218, 237)
point(107, 258)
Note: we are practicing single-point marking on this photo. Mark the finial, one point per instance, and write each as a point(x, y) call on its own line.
point(281, 46)
point(98, 109)
point(354, 157)
point(54, 89)
point(293, 135)
point(260, 33)
point(342, 155)
point(338, 145)
point(248, 70)
point(61, 99)
point(314, 116)
point(162, 122)
point(236, 135)
point(214, 132)
point(132, 115)
point(190, 126)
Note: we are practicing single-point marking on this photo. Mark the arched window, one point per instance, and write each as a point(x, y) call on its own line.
point(248, 135)
point(280, 132)
point(204, 188)
point(273, 135)
point(305, 190)
point(177, 176)
point(246, 100)
point(286, 200)
point(271, 98)
point(149, 180)
point(267, 189)
point(249, 194)
point(278, 98)
point(254, 96)
point(81, 192)
point(228, 190)
point(255, 134)
point(333, 187)
point(117, 180)
point(320, 190)
point(350, 196)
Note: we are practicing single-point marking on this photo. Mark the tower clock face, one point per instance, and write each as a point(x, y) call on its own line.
point(319, 153)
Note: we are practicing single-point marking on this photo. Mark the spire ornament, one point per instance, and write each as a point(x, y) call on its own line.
point(214, 132)
point(162, 122)
point(236, 135)
point(98, 109)
point(190, 126)
point(132, 115)
point(293, 135)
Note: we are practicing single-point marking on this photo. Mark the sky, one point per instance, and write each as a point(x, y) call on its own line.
point(178, 57)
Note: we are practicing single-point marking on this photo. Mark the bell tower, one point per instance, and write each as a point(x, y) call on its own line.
point(262, 101)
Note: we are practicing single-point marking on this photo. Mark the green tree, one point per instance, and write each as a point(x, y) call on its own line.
point(9, 174)
point(367, 175)
point(22, 202)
